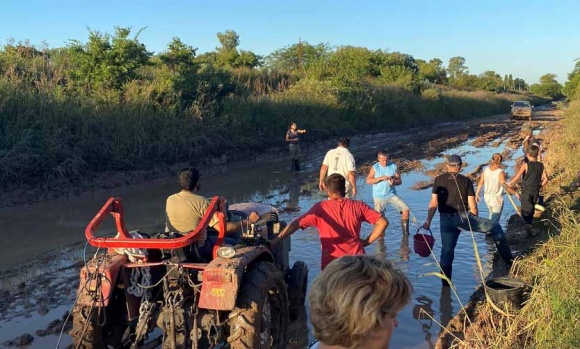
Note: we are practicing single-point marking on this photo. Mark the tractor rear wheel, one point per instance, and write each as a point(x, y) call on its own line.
point(85, 333)
point(297, 289)
point(101, 328)
point(260, 319)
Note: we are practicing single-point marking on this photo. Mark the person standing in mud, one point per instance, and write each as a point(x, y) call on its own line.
point(492, 179)
point(384, 176)
point(339, 160)
point(454, 197)
point(338, 221)
point(529, 140)
point(293, 139)
point(536, 177)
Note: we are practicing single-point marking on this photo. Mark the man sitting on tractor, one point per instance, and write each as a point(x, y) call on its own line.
point(184, 211)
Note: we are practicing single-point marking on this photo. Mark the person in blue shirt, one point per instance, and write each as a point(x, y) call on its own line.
point(384, 176)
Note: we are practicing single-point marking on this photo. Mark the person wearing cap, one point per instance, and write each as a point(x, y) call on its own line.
point(184, 211)
point(454, 197)
point(339, 160)
point(384, 176)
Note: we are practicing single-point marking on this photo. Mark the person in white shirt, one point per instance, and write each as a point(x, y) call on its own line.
point(492, 179)
point(339, 160)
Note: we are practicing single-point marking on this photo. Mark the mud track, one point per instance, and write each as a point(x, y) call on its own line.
point(407, 146)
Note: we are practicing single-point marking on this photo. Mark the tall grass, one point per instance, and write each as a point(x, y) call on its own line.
point(48, 134)
point(551, 316)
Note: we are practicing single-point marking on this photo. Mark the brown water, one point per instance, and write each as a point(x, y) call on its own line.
point(48, 237)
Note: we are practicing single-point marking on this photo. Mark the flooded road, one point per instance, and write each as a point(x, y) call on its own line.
point(42, 244)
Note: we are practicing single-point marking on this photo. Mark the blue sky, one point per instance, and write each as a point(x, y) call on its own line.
point(524, 38)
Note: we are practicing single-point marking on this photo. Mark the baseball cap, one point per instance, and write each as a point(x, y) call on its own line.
point(454, 160)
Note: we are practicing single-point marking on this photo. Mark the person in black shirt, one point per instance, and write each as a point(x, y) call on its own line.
point(293, 139)
point(453, 194)
point(535, 178)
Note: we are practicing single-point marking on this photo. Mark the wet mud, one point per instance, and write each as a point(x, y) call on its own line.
point(38, 295)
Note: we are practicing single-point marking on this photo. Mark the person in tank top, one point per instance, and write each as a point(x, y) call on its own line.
point(492, 180)
point(535, 178)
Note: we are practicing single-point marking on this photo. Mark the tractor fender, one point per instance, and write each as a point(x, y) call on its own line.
point(98, 280)
point(222, 277)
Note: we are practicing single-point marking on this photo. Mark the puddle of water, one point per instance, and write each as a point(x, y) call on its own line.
point(49, 226)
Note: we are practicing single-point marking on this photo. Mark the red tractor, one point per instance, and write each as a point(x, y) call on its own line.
point(144, 292)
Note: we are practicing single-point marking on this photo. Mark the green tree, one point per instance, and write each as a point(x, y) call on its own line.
point(432, 71)
point(401, 76)
point(456, 67)
point(349, 64)
point(297, 56)
point(548, 87)
point(181, 62)
point(105, 61)
point(227, 53)
point(520, 85)
point(247, 59)
point(490, 81)
point(179, 57)
point(571, 88)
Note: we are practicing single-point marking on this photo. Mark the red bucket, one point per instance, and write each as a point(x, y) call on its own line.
point(423, 243)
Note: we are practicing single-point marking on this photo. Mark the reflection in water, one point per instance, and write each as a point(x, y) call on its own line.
point(294, 189)
point(423, 313)
point(405, 251)
point(381, 247)
point(445, 306)
point(298, 331)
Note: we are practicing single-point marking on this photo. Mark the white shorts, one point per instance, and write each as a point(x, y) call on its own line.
point(395, 201)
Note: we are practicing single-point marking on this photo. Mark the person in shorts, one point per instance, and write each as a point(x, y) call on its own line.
point(385, 177)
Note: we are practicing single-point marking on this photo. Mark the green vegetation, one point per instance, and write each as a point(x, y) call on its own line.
point(572, 87)
point(110, 104)
point(551, 316)
point(548, 87)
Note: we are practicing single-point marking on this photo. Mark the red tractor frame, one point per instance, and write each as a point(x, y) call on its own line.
point(142, 292)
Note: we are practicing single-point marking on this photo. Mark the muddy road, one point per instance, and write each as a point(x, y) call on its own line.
point(42, 243)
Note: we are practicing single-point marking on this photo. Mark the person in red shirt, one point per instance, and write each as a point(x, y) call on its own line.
point(338, 221)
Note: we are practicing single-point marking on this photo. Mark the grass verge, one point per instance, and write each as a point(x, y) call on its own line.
point(550, 318)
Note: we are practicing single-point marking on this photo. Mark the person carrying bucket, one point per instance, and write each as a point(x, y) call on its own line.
point(454, 197)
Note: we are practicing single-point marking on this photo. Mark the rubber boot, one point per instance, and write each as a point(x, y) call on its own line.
point(447, 271)
point(292, 164)
point(297, 165)
point(405, 226)
point(504, 251)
